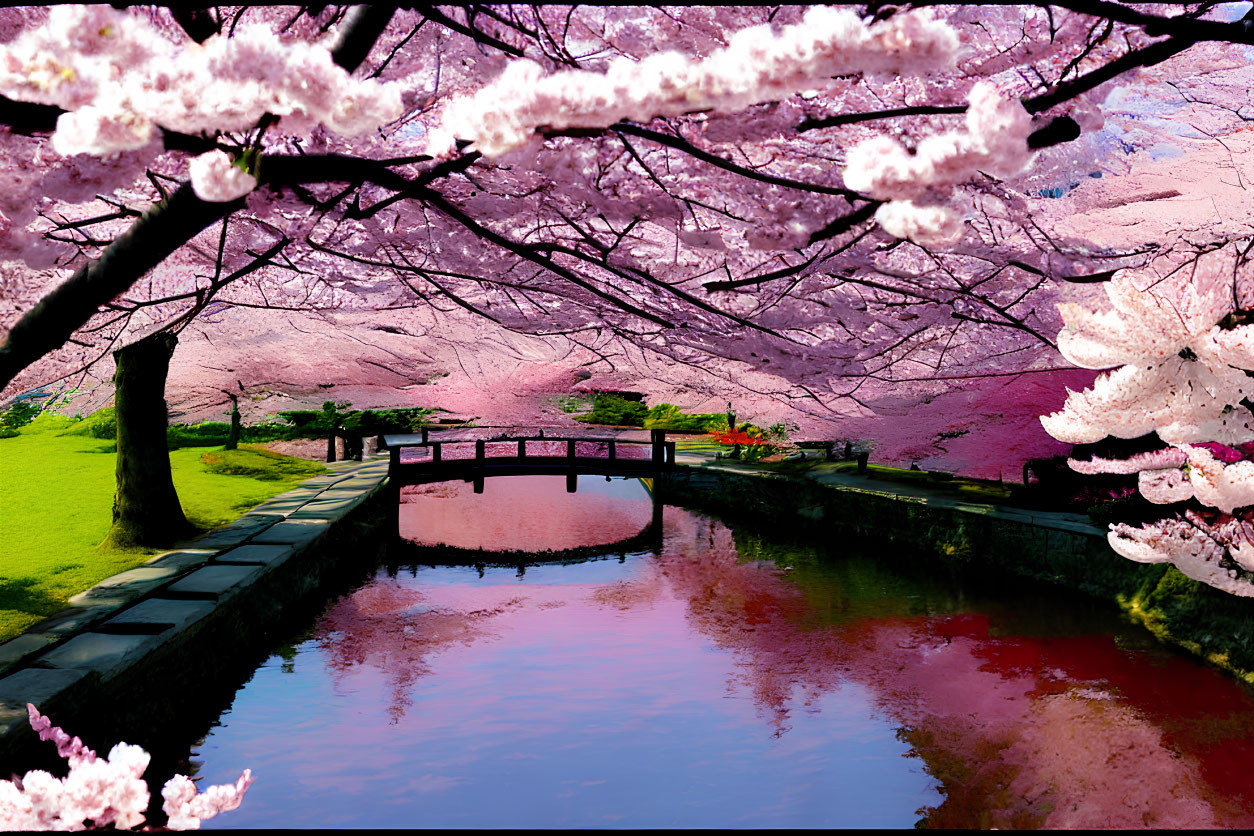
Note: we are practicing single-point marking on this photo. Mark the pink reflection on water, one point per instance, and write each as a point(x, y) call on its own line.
point(519, 514)
point(1021, 731)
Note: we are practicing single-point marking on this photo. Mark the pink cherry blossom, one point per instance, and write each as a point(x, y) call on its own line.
point(106, 792)
point(217, 179)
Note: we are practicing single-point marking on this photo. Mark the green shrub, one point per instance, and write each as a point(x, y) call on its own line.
point(204, 434)
point(302, 423)
point(615, 410)
point(667, 416)
point(307, 423)
point(100, 424)
point(19, 415)
point(6, 432)
point(259, 463)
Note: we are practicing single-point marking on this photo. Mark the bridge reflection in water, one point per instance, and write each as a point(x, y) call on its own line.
point(433, 512)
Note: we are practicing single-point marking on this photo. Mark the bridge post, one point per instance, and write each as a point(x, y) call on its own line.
point(522, 448)
point(658, 440)
point(480, 453)
point(478, 481)
point(424, 435)
point(393, 494)
point(655, 524)
point(613, 450)
point(394, 462)
point(570, 451)
point(435, 452)
point(572, 482)
point(670, 454)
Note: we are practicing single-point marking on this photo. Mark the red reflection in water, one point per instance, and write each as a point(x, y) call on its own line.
point(531, 515)
point(1021, 731)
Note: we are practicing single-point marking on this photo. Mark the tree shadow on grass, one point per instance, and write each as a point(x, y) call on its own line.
point(27, 595)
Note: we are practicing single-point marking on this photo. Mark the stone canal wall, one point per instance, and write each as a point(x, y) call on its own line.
point(905, 525)
point(144, 650)
point(165, 645)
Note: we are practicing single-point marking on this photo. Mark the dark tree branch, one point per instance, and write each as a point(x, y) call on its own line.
point(1145, 57)
point(196, 21)
point(362, 26)
point(153, 237)
point(434, 15)
point(438, 201)
point(1059, 130)
point(845, 222)
point(854, 118)
point(681, 144)
point(158, 233)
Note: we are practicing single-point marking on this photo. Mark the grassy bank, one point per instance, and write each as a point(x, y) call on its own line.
point(56, 496)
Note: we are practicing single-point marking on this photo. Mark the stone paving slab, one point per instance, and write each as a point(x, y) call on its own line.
point(301, 491)
point(219, 581)
point(31, 685)
point(128, 585)
point(183, 559)
point(74, 619)
point(177, 614)
point(284, 508)
point(326, 481)
point(268, 555)
point(337, 495)
point(14, 650)
point(329, 510)
point(104, 653)
point(300, 532)
point(237, 532)
point(362, 483)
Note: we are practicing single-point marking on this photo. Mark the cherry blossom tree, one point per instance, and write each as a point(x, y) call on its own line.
point(1181, 335)
point(828, 204)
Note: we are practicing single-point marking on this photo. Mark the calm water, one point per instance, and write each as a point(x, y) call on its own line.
point(718, 681)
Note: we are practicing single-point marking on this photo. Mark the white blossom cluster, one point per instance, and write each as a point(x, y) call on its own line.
point(1195, 546)
point(1182, 374)
point(104, 791)
point(759, 64)
point(1184, 378)
point(994, 142)
point(1213, 548)
point(119, 80)
point(217, 179)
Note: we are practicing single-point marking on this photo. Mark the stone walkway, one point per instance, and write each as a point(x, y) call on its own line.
point(122, 619)
point(845, 479)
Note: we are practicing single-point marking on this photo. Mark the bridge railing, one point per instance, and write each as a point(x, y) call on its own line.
point(661, 453)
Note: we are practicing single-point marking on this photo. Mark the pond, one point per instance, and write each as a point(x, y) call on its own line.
point(716, 678)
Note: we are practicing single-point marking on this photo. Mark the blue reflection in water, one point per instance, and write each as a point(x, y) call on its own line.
point(580, 695)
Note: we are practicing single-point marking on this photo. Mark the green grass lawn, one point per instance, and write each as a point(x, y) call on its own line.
point(56, 499)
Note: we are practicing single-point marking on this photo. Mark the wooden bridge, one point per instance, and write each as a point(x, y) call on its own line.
point(475, 459)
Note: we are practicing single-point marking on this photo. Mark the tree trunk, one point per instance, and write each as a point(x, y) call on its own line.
point(232, 438)
point(146, 510)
